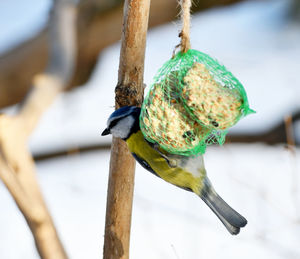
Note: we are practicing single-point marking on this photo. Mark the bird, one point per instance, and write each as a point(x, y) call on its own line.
point(186, 172)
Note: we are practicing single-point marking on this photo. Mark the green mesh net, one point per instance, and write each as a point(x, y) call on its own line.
point(191, 103)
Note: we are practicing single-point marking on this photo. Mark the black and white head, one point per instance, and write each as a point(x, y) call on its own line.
point(123, 122)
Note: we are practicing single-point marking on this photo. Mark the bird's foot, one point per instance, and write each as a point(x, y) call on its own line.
point(172, 162)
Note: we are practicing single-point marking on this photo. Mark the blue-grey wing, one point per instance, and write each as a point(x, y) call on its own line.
point(144, 164)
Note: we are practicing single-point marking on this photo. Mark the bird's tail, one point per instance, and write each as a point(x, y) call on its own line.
point(231, 219)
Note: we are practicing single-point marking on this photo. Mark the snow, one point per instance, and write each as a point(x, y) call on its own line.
point(168, 222)
point(260, 45)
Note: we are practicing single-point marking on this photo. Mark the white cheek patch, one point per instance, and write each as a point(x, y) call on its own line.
point(123, 127)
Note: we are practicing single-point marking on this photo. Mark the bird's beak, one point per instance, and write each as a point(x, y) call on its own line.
point(105, 132)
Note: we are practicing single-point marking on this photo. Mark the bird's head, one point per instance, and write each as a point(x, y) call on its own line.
point(123, 122)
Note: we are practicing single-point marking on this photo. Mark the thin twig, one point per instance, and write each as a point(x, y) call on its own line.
point(288, 122)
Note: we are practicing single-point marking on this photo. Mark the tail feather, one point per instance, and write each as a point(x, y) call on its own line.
point(231, 219)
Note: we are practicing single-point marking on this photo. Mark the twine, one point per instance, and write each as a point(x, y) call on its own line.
point(185, 43)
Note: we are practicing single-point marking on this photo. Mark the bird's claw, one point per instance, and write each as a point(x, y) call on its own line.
point(171, 162)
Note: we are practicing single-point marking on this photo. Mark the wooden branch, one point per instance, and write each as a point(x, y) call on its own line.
point(99, 25)
point(17, 169)
point(274, 136)
point(129, 91)
point(290, 137)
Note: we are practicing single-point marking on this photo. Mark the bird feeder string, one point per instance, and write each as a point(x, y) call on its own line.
point(185, 44)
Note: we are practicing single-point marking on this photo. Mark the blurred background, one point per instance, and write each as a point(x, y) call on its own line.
point(256, 171)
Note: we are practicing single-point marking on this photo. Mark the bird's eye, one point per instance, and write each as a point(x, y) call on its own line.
point(114, 123)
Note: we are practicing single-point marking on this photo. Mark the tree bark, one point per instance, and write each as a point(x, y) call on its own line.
point(129, 91)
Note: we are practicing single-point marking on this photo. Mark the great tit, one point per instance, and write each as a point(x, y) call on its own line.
point(186, 172)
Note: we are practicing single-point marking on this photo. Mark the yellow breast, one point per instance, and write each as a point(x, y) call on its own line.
point(177, 176)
